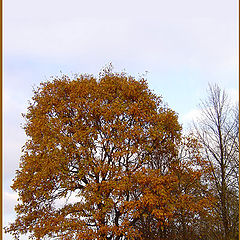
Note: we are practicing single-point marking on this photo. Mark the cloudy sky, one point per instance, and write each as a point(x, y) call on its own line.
point(184, 45)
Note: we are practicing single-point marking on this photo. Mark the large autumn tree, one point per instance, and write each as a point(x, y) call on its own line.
point(102, 162)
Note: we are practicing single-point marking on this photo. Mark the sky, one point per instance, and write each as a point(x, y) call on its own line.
point(183, 46)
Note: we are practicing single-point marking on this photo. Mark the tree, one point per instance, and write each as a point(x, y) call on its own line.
point(190, 199)
point(110, 145)
point(217, 131)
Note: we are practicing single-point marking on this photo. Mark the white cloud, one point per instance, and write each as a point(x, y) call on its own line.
point(151, 32)
point(70, 199)
point(191, 116)
point(233, 95)
point(9, 200)
point(13, 135)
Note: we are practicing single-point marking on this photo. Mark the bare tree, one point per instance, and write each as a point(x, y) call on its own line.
point(217, 131)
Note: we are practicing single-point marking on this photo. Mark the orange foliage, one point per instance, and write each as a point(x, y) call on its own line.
point(112, 143)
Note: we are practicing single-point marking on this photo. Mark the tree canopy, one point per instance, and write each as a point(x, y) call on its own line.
point(105, 159)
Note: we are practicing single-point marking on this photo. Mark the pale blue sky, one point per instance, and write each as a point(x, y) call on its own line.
point(182, 44)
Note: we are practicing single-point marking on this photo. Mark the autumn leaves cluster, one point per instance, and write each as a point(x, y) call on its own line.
point(115, 146)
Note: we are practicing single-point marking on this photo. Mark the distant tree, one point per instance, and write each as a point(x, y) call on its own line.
point(218, 131)
point(189, 194)
point(113, 145)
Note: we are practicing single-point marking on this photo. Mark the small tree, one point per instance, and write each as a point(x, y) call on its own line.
point(217, 131)
point(109, 142)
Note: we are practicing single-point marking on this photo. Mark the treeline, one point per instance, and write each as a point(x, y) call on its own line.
point(106, 159)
